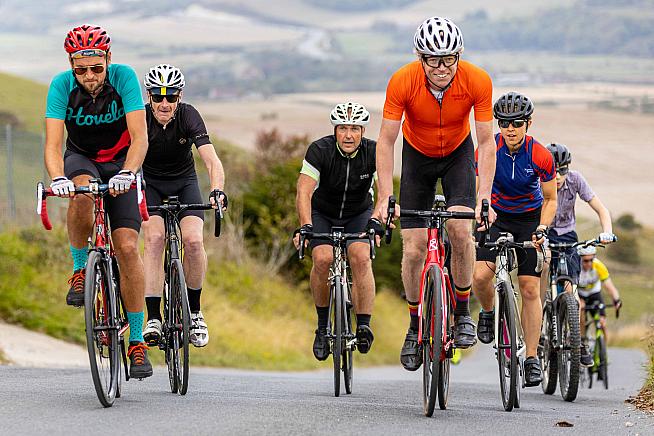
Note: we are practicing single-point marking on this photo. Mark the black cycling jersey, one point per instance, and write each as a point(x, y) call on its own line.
point(345, 183)
point(169, 150)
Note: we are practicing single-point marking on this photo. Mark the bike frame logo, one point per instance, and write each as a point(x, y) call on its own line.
point(433, 244)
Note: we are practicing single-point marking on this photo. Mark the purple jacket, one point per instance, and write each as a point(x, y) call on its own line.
point(574, 185)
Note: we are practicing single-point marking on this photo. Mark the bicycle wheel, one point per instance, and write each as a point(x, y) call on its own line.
point(432, 337)
point(171, 339)
point(603, 369)
point(101, 329)
point(444, 365)
point(570, 340)
point(182, 321)
point(546, 353)
point(347, 352)
point(507, 349)
point(337, 332)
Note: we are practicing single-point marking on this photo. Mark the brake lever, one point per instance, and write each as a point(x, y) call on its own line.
point(388, 232)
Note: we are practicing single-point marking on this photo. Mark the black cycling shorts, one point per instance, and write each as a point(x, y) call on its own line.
point(186, 188)
point(592, 299)
point(123, 210)
point(323, 224)
point(521, 226)
point(420, 174)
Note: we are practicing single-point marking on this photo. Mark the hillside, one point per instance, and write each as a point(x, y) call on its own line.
point(22, 103)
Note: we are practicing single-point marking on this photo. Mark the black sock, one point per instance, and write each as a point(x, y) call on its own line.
point(413, 311)
point(462, 301)
point(194, 299)
point(363, 319)
point(154, 307)
point(323, 316)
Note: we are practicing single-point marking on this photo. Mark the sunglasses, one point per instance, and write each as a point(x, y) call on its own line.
point(586, 260)
point(96, 69)
point(169, 98)
point(562, 170)
point(436, 61)
point(504, 124)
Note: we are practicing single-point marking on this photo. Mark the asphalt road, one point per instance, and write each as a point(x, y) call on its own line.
point(385, 401)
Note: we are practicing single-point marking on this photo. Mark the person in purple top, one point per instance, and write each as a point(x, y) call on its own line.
point(569, 185)
point(524, 198)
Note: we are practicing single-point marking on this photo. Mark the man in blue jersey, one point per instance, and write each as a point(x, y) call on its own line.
point(101, 108)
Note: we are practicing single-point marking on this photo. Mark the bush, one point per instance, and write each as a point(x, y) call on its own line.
point(626, 250)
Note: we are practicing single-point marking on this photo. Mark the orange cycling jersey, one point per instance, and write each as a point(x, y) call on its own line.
point(434, 129)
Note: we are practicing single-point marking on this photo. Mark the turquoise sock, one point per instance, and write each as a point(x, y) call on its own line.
point(135, 320)
point(80, 256)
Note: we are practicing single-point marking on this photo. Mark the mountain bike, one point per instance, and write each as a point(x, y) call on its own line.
point(560, 341)
point(339, 327)
point(436, 304)
point(597, 343)
point(509, 344)
point(104, 312)
point(176, 324)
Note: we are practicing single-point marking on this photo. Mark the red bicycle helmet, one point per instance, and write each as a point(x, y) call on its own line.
point(87, 37)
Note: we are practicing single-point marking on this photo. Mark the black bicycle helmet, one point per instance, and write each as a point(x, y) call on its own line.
point(561, 154)
point(513, 106)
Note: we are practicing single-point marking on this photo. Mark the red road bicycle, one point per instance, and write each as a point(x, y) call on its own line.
point(104, 312)
point(436, 304)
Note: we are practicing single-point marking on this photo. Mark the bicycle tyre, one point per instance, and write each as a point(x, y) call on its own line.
point(603, 370)
point(547, 354)
point(570, 340)
point(507, 350)
point(171, 340)
point(101, 329)
point(347, 352)
point(182, 320)
point(432, 341)
point(444, 365)
point(337, 333)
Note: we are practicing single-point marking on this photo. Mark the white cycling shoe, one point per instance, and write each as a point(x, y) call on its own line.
point(152, 333)
point(199, 333)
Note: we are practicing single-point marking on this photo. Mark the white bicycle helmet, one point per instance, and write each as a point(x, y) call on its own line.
point(350, 113)
point(438, 36)
point(587, 251)
point(164, 76)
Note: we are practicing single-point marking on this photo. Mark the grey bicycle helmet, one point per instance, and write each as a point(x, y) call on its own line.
point(561, 154)
point(349, 113)
point(513, 106)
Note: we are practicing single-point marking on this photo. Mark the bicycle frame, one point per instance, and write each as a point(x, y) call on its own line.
point(339, 270)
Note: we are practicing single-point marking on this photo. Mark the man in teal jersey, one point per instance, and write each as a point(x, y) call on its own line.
point(101, 107)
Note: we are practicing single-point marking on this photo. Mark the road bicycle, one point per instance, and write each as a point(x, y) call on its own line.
point(104, 312)
point(596, 342)
point(436, 305)
point(177, 315)
point(339, 327)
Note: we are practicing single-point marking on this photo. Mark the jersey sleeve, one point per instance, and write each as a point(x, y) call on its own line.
point(396, 96)
point(543, 163)
point(196, 127)
point(311, 164)
point(57, 100)
point(584, 190)
point(602, 270)
point(483, 98)
point(128, 87)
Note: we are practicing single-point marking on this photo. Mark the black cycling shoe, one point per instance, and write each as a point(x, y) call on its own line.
point(364, 338)
point(410, 356)
point(321, 345)
point(533, 375)
point(75, 296)
point(585, 359)
point(486, 327)
point(139, 366)
point(465, 332)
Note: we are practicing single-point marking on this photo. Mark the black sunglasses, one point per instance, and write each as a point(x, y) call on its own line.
point(169, 98)
point(504, 124)
point(80, 71)
point(436, 61)
point(562, 170)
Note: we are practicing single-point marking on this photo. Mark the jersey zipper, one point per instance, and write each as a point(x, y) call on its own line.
point(513, 167)
point(347, 182)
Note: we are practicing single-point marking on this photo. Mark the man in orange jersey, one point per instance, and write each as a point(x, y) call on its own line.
point(436, 94)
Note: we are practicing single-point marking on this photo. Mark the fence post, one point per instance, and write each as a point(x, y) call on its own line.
point(10, 174)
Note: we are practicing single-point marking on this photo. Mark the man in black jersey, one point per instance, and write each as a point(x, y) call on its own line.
point(169, 170)
point(335, 189)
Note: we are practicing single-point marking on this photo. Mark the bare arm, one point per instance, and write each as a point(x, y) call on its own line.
point(54, 138)
point(485, 166)
point(548, 210)
point(305, 187)
point(214, 166)
point(603, 214)
point(612, 289)
point(138, 133)
point(385, 159)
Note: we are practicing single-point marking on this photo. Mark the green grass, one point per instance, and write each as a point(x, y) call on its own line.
point(24, 99)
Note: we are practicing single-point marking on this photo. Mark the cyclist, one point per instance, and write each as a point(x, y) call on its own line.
point(524, 197)
point(593, 275)
point(101, 108)
point(169, 169)
point(570, 184)
point(334, 188)
point(436, 94)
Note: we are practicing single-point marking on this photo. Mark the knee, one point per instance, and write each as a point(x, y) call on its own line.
point(127, 248)
point(193, 244)
point(360, 260)
point(460, 236)
point(480, 279)
point(530, 293)
point(321, 261)
point(154, 240)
